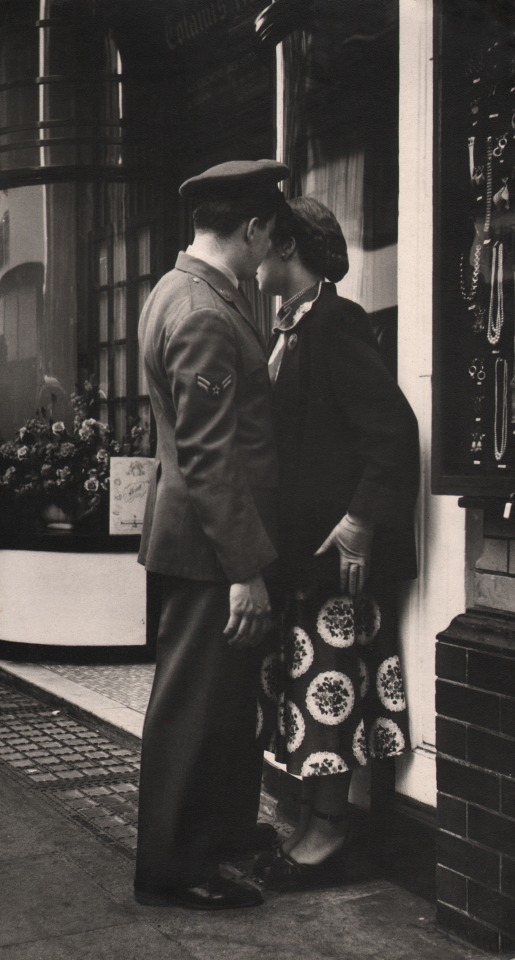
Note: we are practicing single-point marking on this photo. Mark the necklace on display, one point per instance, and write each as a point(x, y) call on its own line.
point(496, 311)
point(489, 190)
point(470, 295)
point(502, 413)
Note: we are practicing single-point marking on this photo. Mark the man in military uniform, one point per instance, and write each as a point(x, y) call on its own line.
point(209, 531)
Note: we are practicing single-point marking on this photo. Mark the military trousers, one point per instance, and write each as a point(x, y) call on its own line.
point(200, 765)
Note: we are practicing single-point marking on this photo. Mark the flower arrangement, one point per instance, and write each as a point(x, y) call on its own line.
point(47, 463)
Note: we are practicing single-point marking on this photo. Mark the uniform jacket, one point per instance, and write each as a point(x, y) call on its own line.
point(347, 441)
point(211, 510)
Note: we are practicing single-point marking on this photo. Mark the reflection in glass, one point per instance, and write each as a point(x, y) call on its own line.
point(120, 370)
point(120, 420)
point(144, 250)
point(103, 371)
point(102, 317)
point(38, 306)
point(119, 258)
point(102, 261)
point(120, 313)
point(143, 291)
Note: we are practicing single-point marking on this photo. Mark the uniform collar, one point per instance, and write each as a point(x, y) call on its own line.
point(216, 263)
point(220, 283)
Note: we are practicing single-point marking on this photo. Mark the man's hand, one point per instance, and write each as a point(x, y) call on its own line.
point(249, 619)
point(352, 537)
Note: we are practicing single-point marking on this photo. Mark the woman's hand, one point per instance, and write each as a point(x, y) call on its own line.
point(352, 537)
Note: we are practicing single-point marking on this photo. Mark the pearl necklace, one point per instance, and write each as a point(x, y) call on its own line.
point(296, 296)
point(496, 312)
point(500, 443)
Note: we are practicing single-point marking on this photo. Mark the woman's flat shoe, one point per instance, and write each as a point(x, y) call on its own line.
point(283, 873)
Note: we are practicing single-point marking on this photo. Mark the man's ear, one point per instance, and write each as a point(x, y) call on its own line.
point(250, 231)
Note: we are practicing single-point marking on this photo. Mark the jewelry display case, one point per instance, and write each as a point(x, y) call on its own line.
point(474, 250)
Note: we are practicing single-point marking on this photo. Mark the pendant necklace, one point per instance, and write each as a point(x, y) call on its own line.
point(296, 296)
point(502, 413)
point(496, 311)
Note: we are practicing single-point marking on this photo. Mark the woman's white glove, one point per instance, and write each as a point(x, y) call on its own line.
point(352, 537)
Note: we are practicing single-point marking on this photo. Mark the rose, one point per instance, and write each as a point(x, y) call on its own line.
point(91, 485)
point(66, 450)
point(64, 474)
point(85, 432)
point(46, 470)
point(102, 456)
point(23, 453)
point(58, 428)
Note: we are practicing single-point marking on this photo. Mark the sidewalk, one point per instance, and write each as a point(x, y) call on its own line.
point(69, 754)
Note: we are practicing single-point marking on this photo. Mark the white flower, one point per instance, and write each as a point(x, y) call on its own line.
point(390, 688)
point(330, 697)
point(335, 622)
point(323, 762)
point(385, 739)
point(91, 485)
point(299, 652)
point(269, 675)
point(295, 727)
point(58, 427)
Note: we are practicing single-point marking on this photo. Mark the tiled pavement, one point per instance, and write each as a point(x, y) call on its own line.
point(72, 782)
point(128, 684)
point(90, 776)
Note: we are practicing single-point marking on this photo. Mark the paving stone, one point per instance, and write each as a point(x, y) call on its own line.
point(75, 914)
point(135, 941)
point(51, 898)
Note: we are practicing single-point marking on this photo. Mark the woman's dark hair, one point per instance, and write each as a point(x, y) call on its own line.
point(223, 217)
point(320, 242)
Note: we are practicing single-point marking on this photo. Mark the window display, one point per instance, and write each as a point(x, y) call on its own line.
point(474, 386)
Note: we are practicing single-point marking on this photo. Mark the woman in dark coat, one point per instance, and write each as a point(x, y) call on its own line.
point(348, 452)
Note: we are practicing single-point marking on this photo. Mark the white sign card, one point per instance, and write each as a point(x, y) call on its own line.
point(129, 482)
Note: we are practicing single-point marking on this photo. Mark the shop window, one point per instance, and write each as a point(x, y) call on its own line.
point(474, 370)
point(122, 282)
point(340, 110)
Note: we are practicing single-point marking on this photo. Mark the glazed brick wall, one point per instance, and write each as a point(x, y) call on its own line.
point(475, 740)
point(494, 573)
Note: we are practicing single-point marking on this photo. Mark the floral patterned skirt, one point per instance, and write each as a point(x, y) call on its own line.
point(334, 690)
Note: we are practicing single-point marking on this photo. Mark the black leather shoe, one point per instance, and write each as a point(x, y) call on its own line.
point(282, 872)
point(217, 893)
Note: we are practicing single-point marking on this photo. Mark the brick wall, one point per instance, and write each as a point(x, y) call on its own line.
point(493, 563)
point(475, 705)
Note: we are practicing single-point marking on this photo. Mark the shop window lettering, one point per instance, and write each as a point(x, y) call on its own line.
point(190, 26)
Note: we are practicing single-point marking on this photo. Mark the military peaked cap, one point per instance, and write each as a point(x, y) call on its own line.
point(236, 180)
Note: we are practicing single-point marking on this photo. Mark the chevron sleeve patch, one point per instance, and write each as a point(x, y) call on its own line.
point(214, 388)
